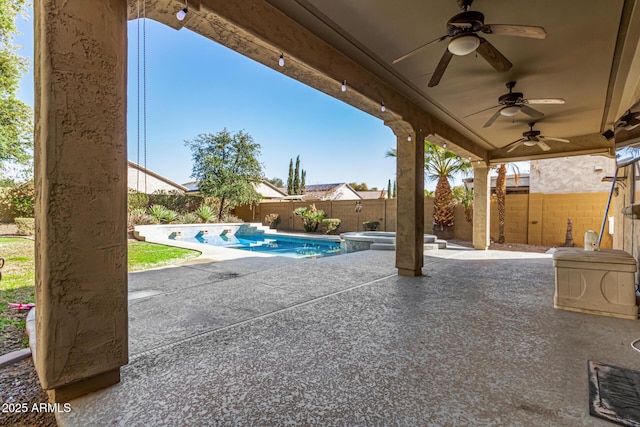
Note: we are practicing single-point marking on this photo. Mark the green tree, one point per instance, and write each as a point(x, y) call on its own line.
point(296, 177)
point(277, 182)
point(16, 125)
point(389, 189)
point(464, 196)
point(290, 178)
point(227, 168)
point(395, 189)
point(359, 187)
point(303, 181)
point(441, 165)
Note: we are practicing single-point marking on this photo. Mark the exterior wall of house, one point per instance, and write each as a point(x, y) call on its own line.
point(344, 193)
point(153, 184)
point(567, 175)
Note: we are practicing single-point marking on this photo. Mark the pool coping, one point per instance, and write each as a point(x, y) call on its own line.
point(210, 253)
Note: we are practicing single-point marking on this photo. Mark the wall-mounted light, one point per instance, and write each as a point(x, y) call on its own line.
point(344, 86)
point(464, 44)
point(183, 12)
point(383, 108)
point(444, 145)
point(409, 138)
point(281, 60)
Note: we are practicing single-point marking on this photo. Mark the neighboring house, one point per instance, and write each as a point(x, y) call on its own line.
point(521, 187)
point(149, 182)
point(340, 191)
point(265, 189)
point(371, 195)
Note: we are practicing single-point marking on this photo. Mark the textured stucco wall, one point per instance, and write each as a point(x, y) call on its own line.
point(571, 175)
point(81, 189)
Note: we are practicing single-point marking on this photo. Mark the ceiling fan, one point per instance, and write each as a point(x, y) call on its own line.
point(533, 137)
point(462, 29)
point(514, 102)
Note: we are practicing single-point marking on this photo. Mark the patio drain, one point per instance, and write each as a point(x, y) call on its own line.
point(614, 394)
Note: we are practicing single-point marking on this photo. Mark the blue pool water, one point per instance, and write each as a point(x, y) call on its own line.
point(289, 246)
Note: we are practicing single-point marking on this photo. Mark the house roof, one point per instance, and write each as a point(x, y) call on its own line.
point(157, 176)
point(337, 191)
point(264, 188)
point(370, 195)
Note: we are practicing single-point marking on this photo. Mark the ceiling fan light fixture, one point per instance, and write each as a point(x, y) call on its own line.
point(510, 111)
point(530, 143)
point(464, 44)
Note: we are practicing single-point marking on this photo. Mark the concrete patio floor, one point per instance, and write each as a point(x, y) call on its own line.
point(345, 341)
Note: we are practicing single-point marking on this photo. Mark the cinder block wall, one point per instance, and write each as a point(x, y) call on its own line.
point(535, 219)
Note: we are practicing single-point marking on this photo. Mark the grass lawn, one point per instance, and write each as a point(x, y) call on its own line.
point(143, 256)
point(18, 278)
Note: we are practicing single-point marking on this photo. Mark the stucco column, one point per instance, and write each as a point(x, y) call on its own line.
point(81, 186)
point(410, 204)
point(481, 206)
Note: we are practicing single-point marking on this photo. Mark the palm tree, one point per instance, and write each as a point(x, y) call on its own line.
point(441, 165)
point(501, 194)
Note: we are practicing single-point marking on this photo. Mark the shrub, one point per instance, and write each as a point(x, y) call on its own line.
point(205, 213)
point(137, 200)
point(189, 218)
point(176, 201)
point(157, 213)
point(310, 216)
point(26, 226)
point(330, 225)
point(138, 217)
point(231, 218)
point(170, 216)
point(272, 220)
point(22, 196)
point(370, 225)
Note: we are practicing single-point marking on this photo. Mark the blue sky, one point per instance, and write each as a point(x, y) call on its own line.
point(195, 86)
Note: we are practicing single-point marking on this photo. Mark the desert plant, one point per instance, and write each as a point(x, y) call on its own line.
point(272, 220)
point(138, 217)
point(189, 218)
point(157, 213)
point(310, 216)
point(230, 218)
point(205, 213)
point(330, 225)
point(26, 226)
point(370, 225)
point(170, 216)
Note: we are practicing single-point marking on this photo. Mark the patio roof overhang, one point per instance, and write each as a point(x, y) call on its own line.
point(590, 58)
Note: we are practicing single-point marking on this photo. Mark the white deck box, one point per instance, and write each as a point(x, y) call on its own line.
point(598, 282)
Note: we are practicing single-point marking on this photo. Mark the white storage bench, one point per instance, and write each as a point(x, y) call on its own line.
point(597, 282)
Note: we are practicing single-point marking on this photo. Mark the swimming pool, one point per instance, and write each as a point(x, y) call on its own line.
point(289, 246)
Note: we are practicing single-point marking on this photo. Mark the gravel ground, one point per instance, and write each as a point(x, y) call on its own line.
point(19, 384)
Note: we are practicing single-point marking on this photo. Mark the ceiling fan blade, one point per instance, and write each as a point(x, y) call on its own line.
point(544, 101)
point(515, 30)
point(515, 144)
point(482, 111)
point(492, 119)
point(493, 56)
point(442, 66)
point(531, 112)
point(551, 138)
point(543, 146)
point(408, 54)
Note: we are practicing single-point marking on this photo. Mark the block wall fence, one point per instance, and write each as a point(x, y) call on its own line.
point(536, 218)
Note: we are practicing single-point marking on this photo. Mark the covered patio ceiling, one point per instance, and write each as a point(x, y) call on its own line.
point(590, 58)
